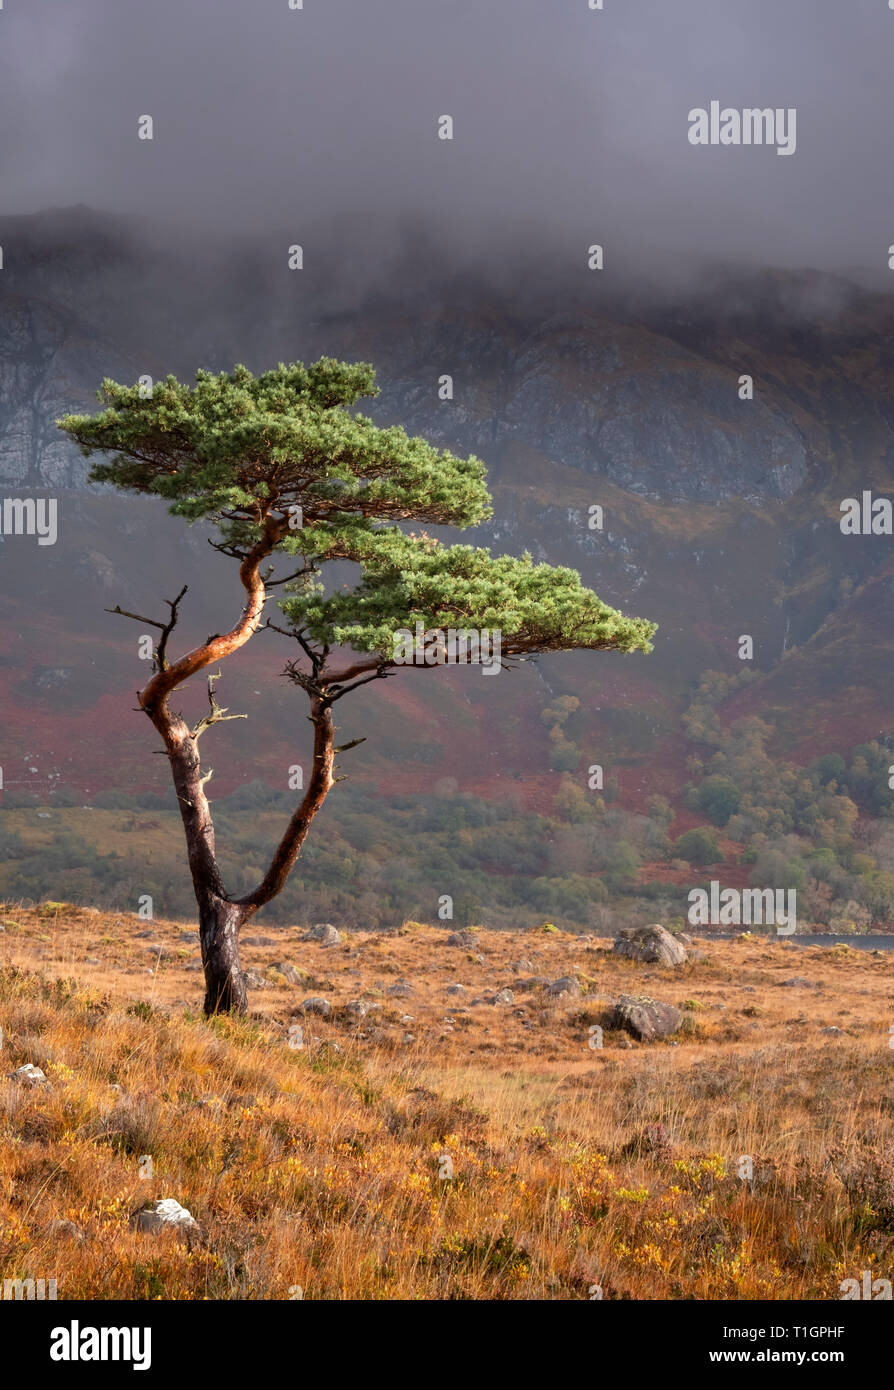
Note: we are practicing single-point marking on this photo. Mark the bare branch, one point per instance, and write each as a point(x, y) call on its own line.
point(224, 549)
point(138, 617)
point(382, 672)
point(343, 747)
point(299, 574)
point(217, 713)
point(160, 658)
point(165, 628)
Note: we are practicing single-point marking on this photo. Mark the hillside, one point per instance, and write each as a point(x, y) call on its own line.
point(720, 519)
point(393, 1154)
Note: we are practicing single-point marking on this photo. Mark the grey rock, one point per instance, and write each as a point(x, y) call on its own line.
point(28, 1075)
point(288, 972)
point(565, 985)
point(645, 1019)
point(465, 938)
point(163, 1215)
point(503, 996)
point(324, 933)
point(316, 1004)
point(456, 989)
point(653, 944)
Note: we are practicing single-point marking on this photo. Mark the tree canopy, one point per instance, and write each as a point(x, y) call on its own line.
point(241, 450)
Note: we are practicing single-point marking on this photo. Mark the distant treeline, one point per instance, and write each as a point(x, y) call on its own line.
point(826, 830)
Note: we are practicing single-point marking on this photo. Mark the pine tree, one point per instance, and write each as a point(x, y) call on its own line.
point(282, 466)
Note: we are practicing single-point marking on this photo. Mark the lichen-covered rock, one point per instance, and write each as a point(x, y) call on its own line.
point(289, 973)
point(323, 933)
point(652, 944)
point(643, 1018)
point(565, 985)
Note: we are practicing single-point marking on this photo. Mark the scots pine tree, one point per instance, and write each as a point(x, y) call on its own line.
point(286, 470)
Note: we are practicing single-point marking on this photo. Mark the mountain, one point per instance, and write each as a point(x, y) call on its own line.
point(720, 515)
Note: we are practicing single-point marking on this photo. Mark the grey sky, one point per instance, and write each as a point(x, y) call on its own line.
point(570, 124)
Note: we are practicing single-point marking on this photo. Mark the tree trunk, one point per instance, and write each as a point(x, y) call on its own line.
point(219, 923)
point(219, 916)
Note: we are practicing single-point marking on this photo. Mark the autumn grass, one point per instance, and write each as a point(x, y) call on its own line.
point(497, 1156)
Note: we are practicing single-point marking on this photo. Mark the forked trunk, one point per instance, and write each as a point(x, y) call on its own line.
point(219, 923)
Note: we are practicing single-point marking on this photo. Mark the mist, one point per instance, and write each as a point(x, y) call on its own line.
point(319, 127)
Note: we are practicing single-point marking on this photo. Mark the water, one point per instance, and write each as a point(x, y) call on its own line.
point(860, 943)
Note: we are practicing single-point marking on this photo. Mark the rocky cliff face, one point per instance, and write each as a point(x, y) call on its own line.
point(50, 363)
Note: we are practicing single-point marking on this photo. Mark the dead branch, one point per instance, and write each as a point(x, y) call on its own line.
point(217, 714)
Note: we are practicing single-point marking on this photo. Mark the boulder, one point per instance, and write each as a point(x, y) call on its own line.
point(28, 1075)
point(504, 996)
point(323, 933)
point(465, 938)
point(643, 1018)
point(652, 944)
point(165, 1215)
point(566, 985)
point(316, 1004)
point(290, 974)
point(61, 1229)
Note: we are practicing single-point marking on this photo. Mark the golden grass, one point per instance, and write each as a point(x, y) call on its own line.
point(322, 1169)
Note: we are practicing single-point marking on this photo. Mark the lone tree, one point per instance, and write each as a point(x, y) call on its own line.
point(281, 465)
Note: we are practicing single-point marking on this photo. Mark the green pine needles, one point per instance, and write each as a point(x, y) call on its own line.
point(237, 450)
